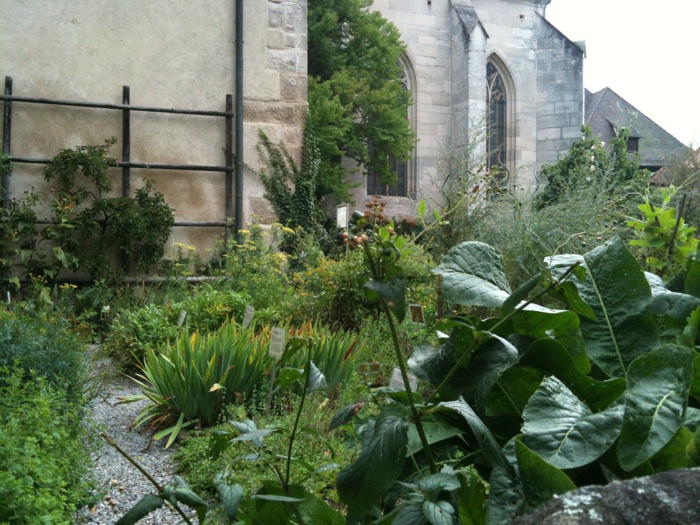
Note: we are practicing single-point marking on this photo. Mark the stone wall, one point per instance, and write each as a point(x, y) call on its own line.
point(469, 48)
point(179, 54)
point(559, 94)
point(512, 29)
point(449, 43)
point(547, 73)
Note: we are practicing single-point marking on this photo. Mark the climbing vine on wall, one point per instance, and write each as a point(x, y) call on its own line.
point(86, 227)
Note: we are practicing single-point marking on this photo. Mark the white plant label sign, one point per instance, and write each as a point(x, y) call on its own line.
point(277, 342)
point(341, 218)
point(397, 380)
point(249, 314)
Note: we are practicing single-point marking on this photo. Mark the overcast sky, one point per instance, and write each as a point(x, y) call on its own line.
point(646, 51)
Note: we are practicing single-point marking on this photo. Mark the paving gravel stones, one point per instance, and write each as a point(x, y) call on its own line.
point(122, 484)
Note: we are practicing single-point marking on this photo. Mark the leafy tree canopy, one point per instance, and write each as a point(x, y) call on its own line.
point(590, 163)
point(357, 104)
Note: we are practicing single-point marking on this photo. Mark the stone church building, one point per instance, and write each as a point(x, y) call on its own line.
point(468, 62)
point(493, 68)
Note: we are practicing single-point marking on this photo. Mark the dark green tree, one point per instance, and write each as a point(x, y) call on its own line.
point(357, 104)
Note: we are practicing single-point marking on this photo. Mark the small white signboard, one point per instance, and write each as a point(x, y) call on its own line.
point(277, 342)
point(341, 217)
point(249, 314)
point(182, 317)
point(397, 380)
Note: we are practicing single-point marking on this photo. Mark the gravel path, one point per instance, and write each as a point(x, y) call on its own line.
point(122, 484)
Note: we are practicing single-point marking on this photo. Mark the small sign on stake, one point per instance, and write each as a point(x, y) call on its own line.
point(249, 314)
point(277, 342)
point(182, 317)
point(417, 313)
point(341, 217)
point(397, 381)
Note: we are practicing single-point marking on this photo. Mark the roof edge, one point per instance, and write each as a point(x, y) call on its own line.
point(579, 44)
point(468, 17)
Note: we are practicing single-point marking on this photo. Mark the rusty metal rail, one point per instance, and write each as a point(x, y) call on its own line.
point(125, 164)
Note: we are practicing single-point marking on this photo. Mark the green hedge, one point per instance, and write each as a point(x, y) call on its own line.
point(46, 347)
point(45, 463)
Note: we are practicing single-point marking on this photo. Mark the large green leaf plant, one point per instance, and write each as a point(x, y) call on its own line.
point(537, 400)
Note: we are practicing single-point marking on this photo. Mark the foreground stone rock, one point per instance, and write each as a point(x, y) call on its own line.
point(670, 498)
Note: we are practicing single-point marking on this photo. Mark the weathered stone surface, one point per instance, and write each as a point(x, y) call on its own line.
point(670, 498)
point(261, 210)
point(85, 50)
point(293, 88)
point(287, 114)
point(286, 60)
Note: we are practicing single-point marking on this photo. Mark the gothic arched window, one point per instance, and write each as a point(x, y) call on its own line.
point(404, 170)
point(497, 103)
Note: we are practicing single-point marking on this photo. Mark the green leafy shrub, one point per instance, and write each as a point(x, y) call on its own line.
point(86, 228)
point(135, 331)
point(193, 462)
point(254, 267)
point(46, 347)
point(19, 238)
point(664, 241)
point(198, 375)
point(589, 163)
point(524, 236)
point(317, 446)
point(45, 460)
point(335, 353)
point(357, 104)
point(590, 194)
point(540, 401)
point(209, 308)
point(601, 391)
point(332, 292)
point(287, 497)
point(292, 189)
point(588, 197)
point(139, 226)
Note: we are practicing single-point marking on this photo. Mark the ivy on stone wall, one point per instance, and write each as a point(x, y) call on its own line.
point(590, 163)
point(86, 228)
point(291, 188)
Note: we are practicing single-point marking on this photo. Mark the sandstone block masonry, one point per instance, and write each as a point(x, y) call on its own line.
point(449, 44)
point(176, 54)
